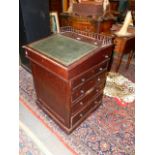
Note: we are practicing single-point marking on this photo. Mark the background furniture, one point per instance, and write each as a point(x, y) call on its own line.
point(69, 75)
point(88, 16)
point(114, 6)
point(86, 23)
point(120, 7)
point(123, 45)
point(56, 5)
point(33, 24)
point(132, 5)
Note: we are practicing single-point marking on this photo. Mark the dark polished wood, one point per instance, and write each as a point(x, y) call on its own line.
point(68, 94)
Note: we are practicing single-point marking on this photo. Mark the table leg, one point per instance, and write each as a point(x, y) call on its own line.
point(119, 60)
point(129, 58)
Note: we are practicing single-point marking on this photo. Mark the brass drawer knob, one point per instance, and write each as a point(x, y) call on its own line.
point(81, 103)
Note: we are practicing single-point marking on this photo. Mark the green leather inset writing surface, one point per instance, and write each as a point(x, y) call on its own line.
point(63, 49)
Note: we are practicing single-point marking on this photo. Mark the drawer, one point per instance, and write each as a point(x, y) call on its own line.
point(86, 64)
point(36, 57)
point(88, 86)
point(101, 78)
point(82, 78)
point(83, 89)
point(84, 101)
point(86, 111)
point(101, 68)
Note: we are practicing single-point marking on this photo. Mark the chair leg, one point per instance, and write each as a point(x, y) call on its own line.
point(129, 58)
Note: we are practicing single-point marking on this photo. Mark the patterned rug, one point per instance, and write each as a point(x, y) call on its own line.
point(26, 145)
point(107, 131)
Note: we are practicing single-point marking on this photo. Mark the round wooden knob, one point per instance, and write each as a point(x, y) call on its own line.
point(82, 91)
point(106, 56)
point(83, 79)
point(100, 68)
point(26, 53)
point(81, 115)
point(81, 103)
point(98, 79)
point(97, 90)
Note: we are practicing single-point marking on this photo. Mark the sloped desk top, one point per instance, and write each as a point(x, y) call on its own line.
point(63, 49)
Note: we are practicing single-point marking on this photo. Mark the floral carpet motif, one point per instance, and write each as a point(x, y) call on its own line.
point(107, 131)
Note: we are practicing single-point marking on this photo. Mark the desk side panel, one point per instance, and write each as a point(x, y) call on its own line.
point(52, 93)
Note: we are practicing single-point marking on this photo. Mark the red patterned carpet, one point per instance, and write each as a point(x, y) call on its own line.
point(110, 130)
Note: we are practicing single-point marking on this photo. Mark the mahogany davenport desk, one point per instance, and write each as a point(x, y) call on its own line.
point(69, 71)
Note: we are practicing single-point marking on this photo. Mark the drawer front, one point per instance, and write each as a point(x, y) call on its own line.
point(86, 111)
point(83, 90)
point(85, 65)
point(88, 86)
point(101, 78)
point(78, 106)
point(87, 75)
